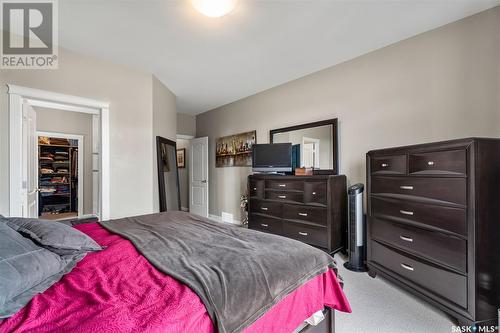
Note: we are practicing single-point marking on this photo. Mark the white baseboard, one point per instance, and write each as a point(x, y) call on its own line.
point(185, 209)
point(218, 218)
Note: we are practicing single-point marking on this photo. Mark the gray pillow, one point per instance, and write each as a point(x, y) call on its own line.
point(26, 270)
point(56, 237)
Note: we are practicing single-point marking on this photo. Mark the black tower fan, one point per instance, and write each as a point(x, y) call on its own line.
point(356, 230)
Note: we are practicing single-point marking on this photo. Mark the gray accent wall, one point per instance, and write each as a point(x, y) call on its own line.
point(442, 84)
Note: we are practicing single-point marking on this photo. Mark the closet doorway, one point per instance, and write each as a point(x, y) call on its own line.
point(61, 176)
point(23, 148)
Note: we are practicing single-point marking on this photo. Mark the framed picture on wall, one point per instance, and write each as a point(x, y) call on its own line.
point(181, 158)
point(235, 150)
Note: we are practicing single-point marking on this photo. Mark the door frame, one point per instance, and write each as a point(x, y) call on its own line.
point(70, 103)
point(316, 150)
point(80, 139)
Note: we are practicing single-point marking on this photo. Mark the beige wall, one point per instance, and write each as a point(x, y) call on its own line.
point(184, 174)
point(186, 124)
point(440, 85)
point(58, 121)
point(164, 125)
point(130, 94)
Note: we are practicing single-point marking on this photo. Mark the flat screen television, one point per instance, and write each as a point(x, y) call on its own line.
point(275, 157)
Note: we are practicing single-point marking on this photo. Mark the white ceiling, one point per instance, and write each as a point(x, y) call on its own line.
point(210, 62)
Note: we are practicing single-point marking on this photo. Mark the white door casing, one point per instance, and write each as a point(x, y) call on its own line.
point(30, 163)
point(18, 135)
point(198, 177)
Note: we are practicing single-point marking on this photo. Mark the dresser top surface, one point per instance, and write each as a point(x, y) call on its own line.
point(441, 145)
point(292, 177)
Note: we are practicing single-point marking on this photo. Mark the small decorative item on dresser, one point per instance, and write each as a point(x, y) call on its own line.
point(304, 171)
point(181, 158)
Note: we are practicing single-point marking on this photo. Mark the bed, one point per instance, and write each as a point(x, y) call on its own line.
point(119, 290)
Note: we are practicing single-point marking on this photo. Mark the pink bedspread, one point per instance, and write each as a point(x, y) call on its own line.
point(118, 290)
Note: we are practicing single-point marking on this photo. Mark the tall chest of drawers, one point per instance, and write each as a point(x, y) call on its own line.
point(311, 209)
point(434, 224)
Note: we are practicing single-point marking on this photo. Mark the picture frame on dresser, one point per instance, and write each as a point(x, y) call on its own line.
point(433, 224)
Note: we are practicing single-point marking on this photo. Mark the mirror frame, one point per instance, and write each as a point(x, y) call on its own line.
point(335, 139)
point(161, 177)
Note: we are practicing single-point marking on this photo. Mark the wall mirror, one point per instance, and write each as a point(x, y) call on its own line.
point(314, 145)
point(168, 174)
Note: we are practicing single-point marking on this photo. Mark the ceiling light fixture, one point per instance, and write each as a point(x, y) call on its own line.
point(214, 8)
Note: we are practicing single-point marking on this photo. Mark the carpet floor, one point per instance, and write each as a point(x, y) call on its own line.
point(380, 306)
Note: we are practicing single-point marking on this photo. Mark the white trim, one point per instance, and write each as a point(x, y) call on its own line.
point(41, 97)
point(15, 155)
point(218, 218)
point(81, 152)
point(184, 137)
point(184, 209)
point(105, 168)
point(50, 96)
point(64, 107)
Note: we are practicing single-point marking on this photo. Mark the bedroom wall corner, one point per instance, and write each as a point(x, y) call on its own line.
point(164, 125)
point(129, 92)
point(186, 124)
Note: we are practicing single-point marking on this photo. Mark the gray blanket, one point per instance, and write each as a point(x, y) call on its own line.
point(238, 273)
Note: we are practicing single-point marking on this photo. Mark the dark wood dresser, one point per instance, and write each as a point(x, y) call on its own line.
point(311, 209)
point(434, 224)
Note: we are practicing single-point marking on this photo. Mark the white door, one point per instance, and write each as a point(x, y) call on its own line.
point(198, 177)
point(30, 162)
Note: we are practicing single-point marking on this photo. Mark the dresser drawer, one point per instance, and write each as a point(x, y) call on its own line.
point(452, 162)
point(441, 282)
point(306, 233)
point(304, 213)
point(447, 250)
point(442, 217)
point(315, 193)
point(285, 196)
point(395, 164)
point(267, 224)
point(285, 185)
point(450, 190)
point(266, 207)
point(256, 188)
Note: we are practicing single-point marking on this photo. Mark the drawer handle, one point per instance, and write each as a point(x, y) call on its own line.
point(255, 188)
point(264, 225)
point(282, 196)
point(314, 193)
point(282, 185)
point(303, 233)
point(406, 187)
point(430, 163)
point(409, 268)
point(406, 212)
point(264, 208)
point(303, 214)
point(385, 165)
point(406, 239)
